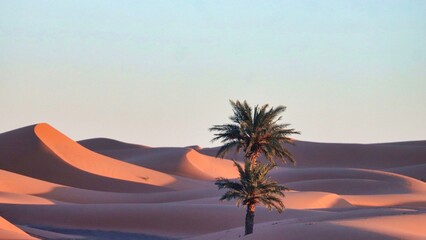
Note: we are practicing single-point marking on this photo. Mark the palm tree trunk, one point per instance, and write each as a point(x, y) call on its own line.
point(252, 158)
point(250, 219)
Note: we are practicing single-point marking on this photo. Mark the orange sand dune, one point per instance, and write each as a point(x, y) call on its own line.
point(340, 191)
point(8, 231)
point(43, 152)
point(89, 161)
point(16, 198)
point(314, 200)
point(388, 200)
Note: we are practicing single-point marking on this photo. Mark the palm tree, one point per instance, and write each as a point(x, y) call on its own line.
point(255, 132)
point(253, 188)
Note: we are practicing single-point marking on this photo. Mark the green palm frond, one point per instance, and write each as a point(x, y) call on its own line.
point(242, 112)
point(224, 149)
point(226, 183)
point(272, 202)
point(241, 170)
point(255, 131)
point(230, 195)
point(253, 187)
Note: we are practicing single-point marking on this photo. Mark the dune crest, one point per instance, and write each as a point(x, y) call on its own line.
point(185, 162)
point(340, 191)
point(88, 161)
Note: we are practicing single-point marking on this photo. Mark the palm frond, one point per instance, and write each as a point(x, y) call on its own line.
point(256, 131)
point(222, 183)
point(253, 186)
point(230, 195)
point(224, 149)
point(272, 202)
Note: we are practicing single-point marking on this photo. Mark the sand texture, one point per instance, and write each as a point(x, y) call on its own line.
point(52, 187)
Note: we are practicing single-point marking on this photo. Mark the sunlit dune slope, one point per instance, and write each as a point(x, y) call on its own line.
point(8, 231)
point(89, 161)
point(314, 200)
point(16, 198)
point(339, 191)
point(42, 152)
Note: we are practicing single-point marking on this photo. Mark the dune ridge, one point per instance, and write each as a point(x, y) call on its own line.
point(340, 191)
point(349, 155)
point(185, 162)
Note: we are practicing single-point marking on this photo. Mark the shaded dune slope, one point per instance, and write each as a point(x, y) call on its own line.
point(340, 191)
point(172, 219)
point(19, 189)
point(348, 181)
point(368, 156)
point(388, 224)
point(415, 171)
point(185, 162)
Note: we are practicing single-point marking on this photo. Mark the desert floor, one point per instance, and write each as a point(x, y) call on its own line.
point(52, 187)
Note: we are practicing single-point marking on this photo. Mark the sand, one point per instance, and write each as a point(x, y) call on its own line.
point(53, 187)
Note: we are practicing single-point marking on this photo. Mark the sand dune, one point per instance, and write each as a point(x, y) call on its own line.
point(314, 200)
point(348, 181)
point(360, 187)
point(89, 161)
point(408, 226)
point(355, 224)
point(415, 171)
point(43, 234)
point(25, 153)
point(50, 183)
point(8, 231)
point(367, 156)
point(185, 162)
point(109, 145)
point(171, 219)
point(14, 187)
point(293, 200)
point(42, 152)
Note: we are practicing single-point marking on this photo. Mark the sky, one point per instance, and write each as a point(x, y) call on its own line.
point(160, 73)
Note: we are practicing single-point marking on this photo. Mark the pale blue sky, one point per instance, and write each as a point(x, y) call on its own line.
point(160, 73)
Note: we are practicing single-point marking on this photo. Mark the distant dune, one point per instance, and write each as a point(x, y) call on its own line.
point(51, 185)
point(368, 156)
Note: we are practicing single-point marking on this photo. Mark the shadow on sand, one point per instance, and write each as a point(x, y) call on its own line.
point(102, 235)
